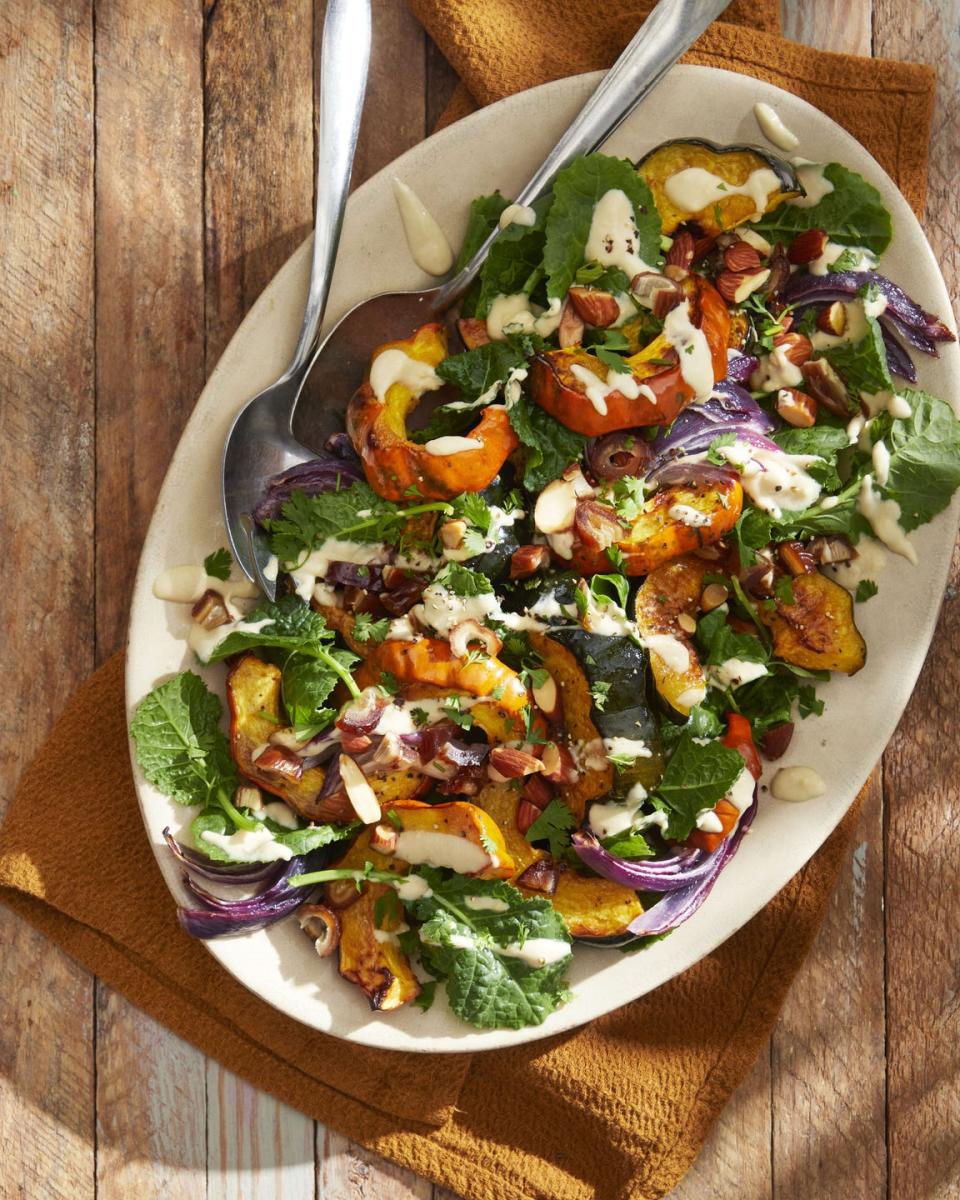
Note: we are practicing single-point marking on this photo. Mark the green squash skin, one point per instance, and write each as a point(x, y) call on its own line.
point(785, 173)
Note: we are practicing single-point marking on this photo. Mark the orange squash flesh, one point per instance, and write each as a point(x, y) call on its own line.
point(817, 630)
point(431, 661)
point(397, 468)
point(667, 592)
point(557, 390)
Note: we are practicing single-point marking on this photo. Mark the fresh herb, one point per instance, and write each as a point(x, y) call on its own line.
point(457, 714)
point(549, 446)
point(784, 590)
point(388, 683)
point(600, 693)
point(180, 746)
point(628, 497)
point(924, 457)
point(719, 641)
point(460, 580)
point(366, 629)
point(420, 717)
point(306, 684)
point(697, 776)
point(554, 825)
point(862, 365)
point(476, 371)
point(604, 279)
point(485, 213)
point(576, 191)
point(615, 557)
point(513, 261)
point(218, 563)
point(612, 361)
point(849, 260)
point(852, 214)
point(865, 589)
point(610, 589)
point(713, 455)
point(628, 845)
point(825, 441)
point(428, 992)
point(356, 513)
point(386, 909)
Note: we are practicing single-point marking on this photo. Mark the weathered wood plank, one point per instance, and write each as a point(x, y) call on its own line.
point(258, 175)
point(393, 110)
point(151, 1087)
point(923, 762)
point(842, 25)
point(258, 1149)
point(346, 1171)
point(149, 253)
point(46, 530)
point(258, 159)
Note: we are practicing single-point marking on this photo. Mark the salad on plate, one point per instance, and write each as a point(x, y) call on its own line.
point(529, 656)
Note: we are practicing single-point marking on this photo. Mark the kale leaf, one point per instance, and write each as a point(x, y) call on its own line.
point(853, 214)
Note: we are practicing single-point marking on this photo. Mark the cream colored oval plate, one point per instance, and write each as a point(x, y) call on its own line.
point(497, 148)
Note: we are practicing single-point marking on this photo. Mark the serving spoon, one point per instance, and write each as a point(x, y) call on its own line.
point(263, 445)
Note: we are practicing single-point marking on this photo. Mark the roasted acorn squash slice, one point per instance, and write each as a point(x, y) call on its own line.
point(666, 593)
point(817, 631)
point(736, 167)
point(375, 964)
point(597, 911)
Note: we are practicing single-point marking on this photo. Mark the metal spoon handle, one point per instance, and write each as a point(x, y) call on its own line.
point(671, 28)
point(344, 62)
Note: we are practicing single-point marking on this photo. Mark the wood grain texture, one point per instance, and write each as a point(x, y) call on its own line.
point(922, 765)
point(346, 1171)
point(149, 255)
point(46, 530)
point(841, 25)
point(258, 155)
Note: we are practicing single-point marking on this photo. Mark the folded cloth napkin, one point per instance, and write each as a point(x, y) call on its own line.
point(617, 1110)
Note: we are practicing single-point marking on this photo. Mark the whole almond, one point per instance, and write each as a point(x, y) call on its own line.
point(807, 246)
point(827, 386)
point(833, 318)
point(797, 408)
point(736, 286)
point(594, 307)
point(570, 330)
point(680, 253)
point(797, 348)
point(527, 560)
point(741, 257)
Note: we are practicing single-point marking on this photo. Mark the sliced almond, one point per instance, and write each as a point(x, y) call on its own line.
point(556, 507)
point(363, 799)
point(547, 698)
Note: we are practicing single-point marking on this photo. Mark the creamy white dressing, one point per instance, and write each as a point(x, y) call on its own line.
point(855, 330)
point(797, 784)
point(878, 402)
point(772, 127)
point(709, 822)
point(186, 584)
point(690, 343)
point(614, 240)
point(248, 845)
point(741, 793)
point(315, 566)
point(413, 887)
point(812, 181)
point(397, 717)
point(272, 569)
point(688, 516)
point(428, 846)
point(862, 260)
point(486, 904)
point(627, 747)
point(517, 214)
point(279, 813)
point(515, 314)
point(535, 952)
point(597, 390)
point(613, 817)
point(670, 650)
point(203, 642)
point(429, 247)
point(393, 366)
point(884, 518)
point(694, 188)
point(880, 457)
point(401, 629)
point(691, 696)
point(773, 480)
point(499, 520)
point(870, 561)
point(735, 672)
point(451, 444)
point(775, 371)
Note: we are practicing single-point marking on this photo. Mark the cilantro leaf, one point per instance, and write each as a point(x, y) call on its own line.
point(852, 214)
point(218, 563)
point(696, 778)
point(720, 642)
point(288, 624)
point(553, 825)
point(549, 446)
point(478, 953)
point(366, 629)
point(924, 458)
point(462, 581)
point(628, 845)
point(576, 190)
point(724, 439)
point(865, 589)
point(180, 746)
point(610, 359)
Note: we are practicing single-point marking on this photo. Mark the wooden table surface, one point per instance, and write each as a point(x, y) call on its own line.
point(156, 168)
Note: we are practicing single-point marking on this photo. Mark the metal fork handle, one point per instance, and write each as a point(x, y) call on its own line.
point(344, 62)
point(671, 28)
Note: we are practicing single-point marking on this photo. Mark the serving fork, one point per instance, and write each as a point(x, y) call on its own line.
point(261, 442)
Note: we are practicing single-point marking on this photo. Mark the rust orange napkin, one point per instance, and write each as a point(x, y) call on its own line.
point(619, 1109)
